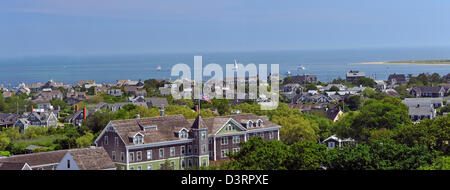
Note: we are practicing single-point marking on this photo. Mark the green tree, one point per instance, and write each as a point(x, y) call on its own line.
point(4, 141)
point(354, 102)
point(364, 81)
point(296, 129)
point(334, 89)
point(257, 154)
point(434, 134)
point(306, 156)
point(85, 140)
point(440, 163)
point(388, 113)
point(223, 106)
point(381, 155)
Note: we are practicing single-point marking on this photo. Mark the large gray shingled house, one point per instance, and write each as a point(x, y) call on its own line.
point(148, 143)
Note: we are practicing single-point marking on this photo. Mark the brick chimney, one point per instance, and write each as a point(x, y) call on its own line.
point(84, 113)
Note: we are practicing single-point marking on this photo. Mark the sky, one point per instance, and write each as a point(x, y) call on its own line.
point(89, 27)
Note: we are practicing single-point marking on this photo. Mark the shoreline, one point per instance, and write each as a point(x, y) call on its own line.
point(402, 63)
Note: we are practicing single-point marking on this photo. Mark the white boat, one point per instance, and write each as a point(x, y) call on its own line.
point(301, 67)
point(288, 73)
point(158, 68)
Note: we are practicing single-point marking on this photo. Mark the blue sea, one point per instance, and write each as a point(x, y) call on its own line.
point(326, 64)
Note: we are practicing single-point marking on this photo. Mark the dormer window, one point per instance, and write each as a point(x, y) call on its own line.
point(260, 123)
point(138, 139)
point(250, 124)
point(229, 127)
point(183, 134)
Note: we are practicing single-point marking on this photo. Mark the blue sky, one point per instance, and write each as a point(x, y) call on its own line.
point(53, 27)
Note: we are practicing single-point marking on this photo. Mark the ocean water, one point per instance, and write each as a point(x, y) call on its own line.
point(326, 64)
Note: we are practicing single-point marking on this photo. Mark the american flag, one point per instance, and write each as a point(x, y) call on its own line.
point(204, 98)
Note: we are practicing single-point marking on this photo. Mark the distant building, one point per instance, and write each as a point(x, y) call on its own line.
point(165, 90)
point(302, 79)
point(157, 102)
point(397, 79)
point(335, 142)
point(38, 119)
point(425, 91)
point(8, 119)
point(353, 76)
point(446, 77)
point(48, 95)
point(115, 92)
point(422, 108)
point(78, 117)
point(85, 82)
point(334, 114)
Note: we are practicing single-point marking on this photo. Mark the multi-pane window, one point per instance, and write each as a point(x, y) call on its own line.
point(161, 153)
point(149, 167)
point(224, 140)
point(250, 124)
point(139, 139)
point(122, 156)
point(183, 134)
point(183, 163)
point(224, 153)
point(131, 156)
point(236, 139)
point(149, 154)
point(116, 141)
point(139, 156)
point(183, 150)
point(204, 161)
point(139, 168)
point(172, 151)
point(113, 155)
point(106, 140)
point(203, 148)
point(189, 149)
point(331, 144)
point(236, 150)
point(203, 135)
point(271, 135)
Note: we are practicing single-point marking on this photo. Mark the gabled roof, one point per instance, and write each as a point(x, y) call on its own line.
point(93, 158)
point(37, 159)
point(397, 77)
point(334, 137)
point(166, 126)
point(428, 89)
point(158, 102)
point(333, 113)
point(214, 124)
point(14, 166)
